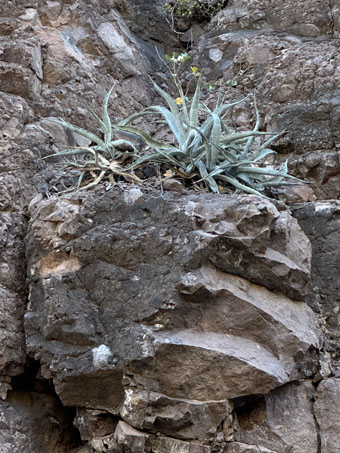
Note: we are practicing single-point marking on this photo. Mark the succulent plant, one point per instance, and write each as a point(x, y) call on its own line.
point(102, 154)
point(219, 154)
point(204, 150)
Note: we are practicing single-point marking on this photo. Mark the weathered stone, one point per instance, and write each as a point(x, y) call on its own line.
point(19, 81)
point(294, 194)
point(295, 73)
point(131, 438)
point(146, 19)
point(258, 14)
point(256, 233)
point(173, 184)
point(105, 273)
point(181, 367)
point(185, 419)
point(94, 423)
point(33, 422)
point(5, 387)
point(240, 447)
point(320, 221)
point(82, 249)
point(169, 445)
point(14, 114)
point(283, 420)
point(12, 350)
point(326, 408)
point(12, 291)
point(227, 303)
point(321, 168)
point(21, 68)
point(117, 46)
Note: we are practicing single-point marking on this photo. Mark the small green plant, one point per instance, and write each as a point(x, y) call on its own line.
point(193, 9)
point(103, 153)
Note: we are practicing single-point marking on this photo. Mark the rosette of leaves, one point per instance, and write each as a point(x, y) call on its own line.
point(104, 155)
point(211, 149)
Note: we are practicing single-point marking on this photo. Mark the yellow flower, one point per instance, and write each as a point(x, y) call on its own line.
point(179, 101)
point(194, 69)
point(168, 174)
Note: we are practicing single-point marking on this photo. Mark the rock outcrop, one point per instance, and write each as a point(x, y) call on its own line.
point(158, 314)
point(138, 321)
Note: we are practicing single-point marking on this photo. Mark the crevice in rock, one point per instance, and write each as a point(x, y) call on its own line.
point(243, 402)
point(31, 381)
point(331, 4)
point(316, 384)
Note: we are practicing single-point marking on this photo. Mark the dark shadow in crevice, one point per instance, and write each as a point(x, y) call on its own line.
point(32, 381)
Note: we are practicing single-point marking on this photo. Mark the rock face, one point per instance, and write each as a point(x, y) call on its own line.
point(289, 55)
point(320, 221)
point(33, 422)
point(326, 406)
point(161, 319)
point(281, 421)
point(136, 321)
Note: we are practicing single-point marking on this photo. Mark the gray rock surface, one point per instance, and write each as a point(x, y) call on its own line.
point(149, 313)
point(233, 305)
point(320, 221)
point(162, 346)
point(282, 420)
point(288, 54)
point(32, 422)
point(326, 410)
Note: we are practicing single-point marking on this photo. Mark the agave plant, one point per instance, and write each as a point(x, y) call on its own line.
point(104, 153)
point(205, 150)
point(210, 148)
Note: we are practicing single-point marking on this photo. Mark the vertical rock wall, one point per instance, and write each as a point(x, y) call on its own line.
point(144, 322)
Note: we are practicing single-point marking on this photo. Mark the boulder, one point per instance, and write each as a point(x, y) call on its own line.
point(138, 292)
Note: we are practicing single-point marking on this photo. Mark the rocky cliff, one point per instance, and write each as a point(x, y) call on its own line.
point(137, 319)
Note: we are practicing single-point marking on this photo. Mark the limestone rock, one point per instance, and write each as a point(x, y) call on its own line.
point(227, 303)
point(169, 445)
point(186, 419)
point(326, 408)
point(33, 422)
point(281, 421)
point(320, 221)
point(154, 280)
